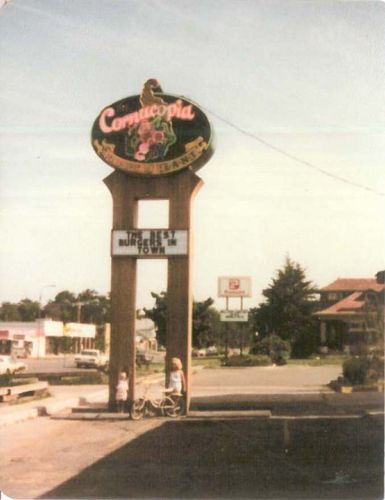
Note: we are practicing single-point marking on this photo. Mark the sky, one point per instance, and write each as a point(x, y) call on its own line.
point(294, 91)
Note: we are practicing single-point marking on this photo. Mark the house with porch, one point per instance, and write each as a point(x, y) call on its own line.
point(351, 314)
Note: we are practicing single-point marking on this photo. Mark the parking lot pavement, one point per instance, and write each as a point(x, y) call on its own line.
point(293, 454)
point(37, 455)
point(287, 379)
point(323, 458)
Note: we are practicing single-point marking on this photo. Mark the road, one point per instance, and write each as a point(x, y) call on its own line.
point(50, 365)
point(64, 363)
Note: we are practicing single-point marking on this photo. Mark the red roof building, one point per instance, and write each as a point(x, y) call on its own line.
point(352, 314)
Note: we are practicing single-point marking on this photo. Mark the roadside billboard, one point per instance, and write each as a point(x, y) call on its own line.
point(234, 286)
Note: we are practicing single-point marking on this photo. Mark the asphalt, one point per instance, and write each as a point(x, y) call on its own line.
point(89, 402)
point(241, 440)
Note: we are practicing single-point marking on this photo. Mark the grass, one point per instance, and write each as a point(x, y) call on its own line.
point(328, 360)
point(212, 362)
point(150, 369)
point(12, 380)
point(216, 362)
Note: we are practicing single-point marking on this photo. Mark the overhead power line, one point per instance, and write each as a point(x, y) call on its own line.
point(293, 157)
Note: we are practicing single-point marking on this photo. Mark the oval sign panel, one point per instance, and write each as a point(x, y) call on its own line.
point(152, 134)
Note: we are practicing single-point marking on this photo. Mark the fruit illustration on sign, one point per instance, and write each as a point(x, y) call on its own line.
point(152, 134)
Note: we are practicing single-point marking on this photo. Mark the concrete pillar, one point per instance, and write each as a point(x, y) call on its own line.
point(126, 191)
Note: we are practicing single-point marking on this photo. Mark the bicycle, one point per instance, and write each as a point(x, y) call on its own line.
point(170, 405)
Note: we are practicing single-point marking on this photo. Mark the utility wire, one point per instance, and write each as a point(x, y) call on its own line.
point(293, 157)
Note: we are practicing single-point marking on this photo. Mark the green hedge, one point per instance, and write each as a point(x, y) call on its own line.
point(249, 360)
point(11, 380)
point(74, 378)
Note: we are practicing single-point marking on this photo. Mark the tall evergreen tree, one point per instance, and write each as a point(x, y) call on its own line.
point(288, 310)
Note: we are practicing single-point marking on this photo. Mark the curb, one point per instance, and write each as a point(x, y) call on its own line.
point(45, 407)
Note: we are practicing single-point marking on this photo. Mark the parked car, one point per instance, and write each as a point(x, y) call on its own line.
point(212, 350)
point(91, 358)
point(9, 365)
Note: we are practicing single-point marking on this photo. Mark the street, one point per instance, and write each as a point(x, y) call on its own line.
point(65, 363)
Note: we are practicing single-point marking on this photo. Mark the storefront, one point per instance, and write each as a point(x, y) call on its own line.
point(37, 339)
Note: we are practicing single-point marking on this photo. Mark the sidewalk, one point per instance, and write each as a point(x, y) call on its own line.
point(63, 397)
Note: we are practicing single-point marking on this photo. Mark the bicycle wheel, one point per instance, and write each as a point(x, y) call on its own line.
point(179, 406)
point(172, 407)
point(154, 407)
point(137, 409)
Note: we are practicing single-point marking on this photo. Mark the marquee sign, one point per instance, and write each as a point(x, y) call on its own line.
point(152, 134)
point(149, 242)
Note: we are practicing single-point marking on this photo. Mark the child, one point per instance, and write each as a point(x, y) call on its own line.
point(177, 381)
point(121, 391)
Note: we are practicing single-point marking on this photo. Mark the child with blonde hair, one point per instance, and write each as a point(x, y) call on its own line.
point(121, 391)
point(177, 380)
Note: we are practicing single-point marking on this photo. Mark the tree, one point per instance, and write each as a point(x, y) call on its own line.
point(201, 323)
point(92, 307)
point(25, 310)
point(87, 307)
point(9, 312)
point(29, 310)
point(288, 310)
point(62, 308)
point(202, 320)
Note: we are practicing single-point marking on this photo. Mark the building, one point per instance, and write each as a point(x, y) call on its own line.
point(42, 337)
point(145, 334)
point(351, 315)
point(38, 338)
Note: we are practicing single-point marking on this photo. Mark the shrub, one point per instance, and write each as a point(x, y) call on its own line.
point(355, 370)
point(305, 345)
point(24, 380)
point(74, 378)
point(5, 380)
point(274, 347)
point(11, 380)
point(250, 360)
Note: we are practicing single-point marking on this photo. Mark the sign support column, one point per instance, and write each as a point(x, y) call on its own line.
point(126, 191)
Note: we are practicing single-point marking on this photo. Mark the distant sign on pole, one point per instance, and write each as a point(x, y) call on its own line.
point(234, 286)
point(149, 242)
point(232, 315)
